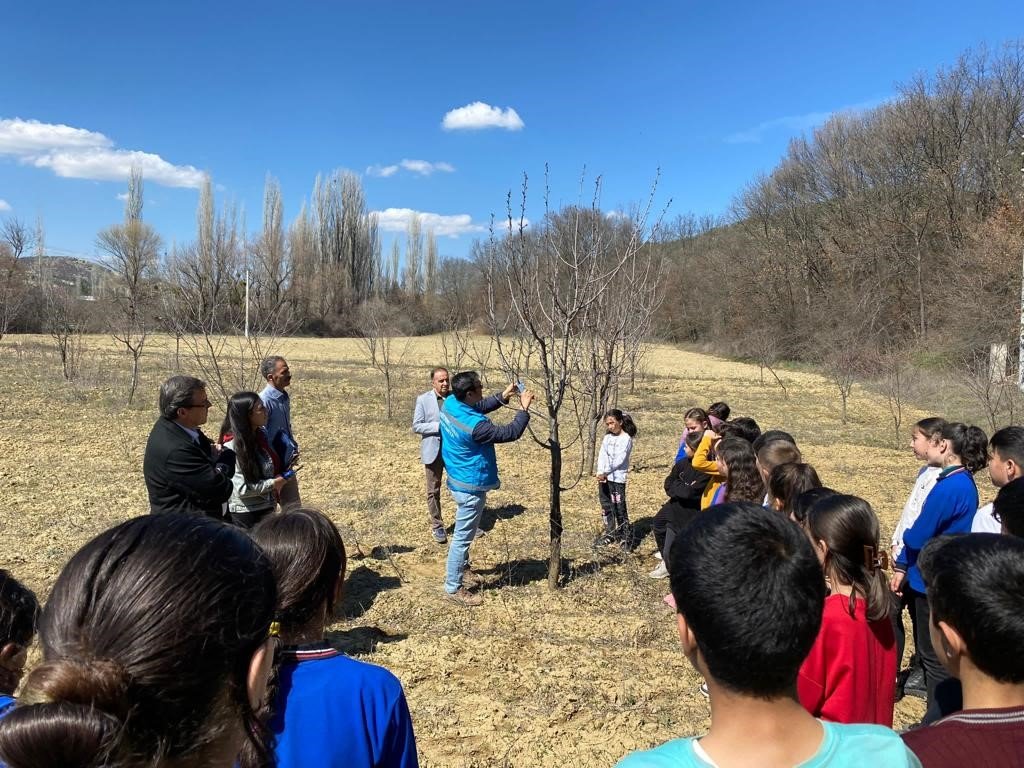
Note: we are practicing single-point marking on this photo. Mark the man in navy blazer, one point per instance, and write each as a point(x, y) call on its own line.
point(426, 422)
point(183, 471)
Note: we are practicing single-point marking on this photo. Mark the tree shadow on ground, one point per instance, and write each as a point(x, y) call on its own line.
point(361, 589)
point(529, 570)
point(380, 552)
point(505, 512)
point(360, 641)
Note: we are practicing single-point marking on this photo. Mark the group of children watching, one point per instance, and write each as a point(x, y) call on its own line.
point(785, 607)
point(172, 640)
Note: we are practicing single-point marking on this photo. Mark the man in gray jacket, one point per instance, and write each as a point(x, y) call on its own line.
point(426, 423)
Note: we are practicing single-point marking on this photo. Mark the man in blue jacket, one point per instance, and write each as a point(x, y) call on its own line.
point(467, 447)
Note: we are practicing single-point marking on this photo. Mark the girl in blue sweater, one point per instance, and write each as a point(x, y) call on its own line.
point(948, 509)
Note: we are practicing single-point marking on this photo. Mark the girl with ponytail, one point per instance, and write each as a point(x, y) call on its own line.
point(949, 508)
point(849, 675)
point(156, 644)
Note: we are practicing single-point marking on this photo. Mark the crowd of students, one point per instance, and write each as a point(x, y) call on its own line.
point(178, 640)
point(785, 605)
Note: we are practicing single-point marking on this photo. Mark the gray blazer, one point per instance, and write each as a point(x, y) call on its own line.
point(426, 422)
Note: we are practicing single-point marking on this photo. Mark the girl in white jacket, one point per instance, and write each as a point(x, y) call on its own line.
point(612, 470)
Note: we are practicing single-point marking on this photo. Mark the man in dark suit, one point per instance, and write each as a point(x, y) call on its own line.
point(183, 470)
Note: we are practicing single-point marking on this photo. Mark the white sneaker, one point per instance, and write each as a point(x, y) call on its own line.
point(661, 572)
point(657, 556)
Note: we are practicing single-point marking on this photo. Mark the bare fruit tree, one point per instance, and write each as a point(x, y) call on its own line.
point(557, 294)
point(379, 329)
point(132, 250)
point(65, 323)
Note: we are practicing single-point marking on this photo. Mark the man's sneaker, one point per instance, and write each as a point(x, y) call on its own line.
point(704, 690)
point(661, 572)
point(915, 685)
point(471, 579)
point(604, 540)
point(464, 597)
point(440, 536)
point(480, 533)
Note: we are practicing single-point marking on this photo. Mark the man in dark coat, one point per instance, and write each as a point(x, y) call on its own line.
point(184, 471)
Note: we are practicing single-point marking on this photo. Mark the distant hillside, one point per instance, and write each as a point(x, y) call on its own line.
point(85, 278)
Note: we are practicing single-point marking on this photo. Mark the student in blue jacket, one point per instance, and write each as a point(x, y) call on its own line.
point(326, 709)
point(948, 509)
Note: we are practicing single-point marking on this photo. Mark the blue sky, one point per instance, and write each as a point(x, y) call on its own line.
point(710, 95)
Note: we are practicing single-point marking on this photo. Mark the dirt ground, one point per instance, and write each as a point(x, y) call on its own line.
point(576, 677)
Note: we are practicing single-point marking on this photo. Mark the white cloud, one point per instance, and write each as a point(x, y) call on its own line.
point(382, 171)
point(26, 137)
point(81, 154)
point(795, 123)
point(425, 168)
point(4, 205)
point(478, 115)
point(422, 167)
point(122, 196)
point(397, 220)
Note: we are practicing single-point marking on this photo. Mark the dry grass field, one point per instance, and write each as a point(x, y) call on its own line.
point(577, 677)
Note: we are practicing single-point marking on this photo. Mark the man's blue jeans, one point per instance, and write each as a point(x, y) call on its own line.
point(469, 508)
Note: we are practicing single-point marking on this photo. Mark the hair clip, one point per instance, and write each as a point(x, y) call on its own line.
point(875, 561)
point(275, 629)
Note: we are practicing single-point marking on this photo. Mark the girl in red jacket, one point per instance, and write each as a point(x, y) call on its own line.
point(848, 675)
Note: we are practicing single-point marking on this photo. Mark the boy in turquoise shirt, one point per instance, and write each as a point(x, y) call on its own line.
point(749, 593)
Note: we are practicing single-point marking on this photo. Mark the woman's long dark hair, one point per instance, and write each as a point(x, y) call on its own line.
point(849, 527)
point(238, 424)
point(147, 641)
point(744, 482)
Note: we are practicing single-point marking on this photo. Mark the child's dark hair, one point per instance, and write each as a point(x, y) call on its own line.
point(697, 414)
point(776, 452)
point(802, 505)
point(744, 482)
point(1009, 441)
point(974, 586)
point(308, 557)
point(931, 427)
point(772, 436)
point(746, 428)
point(787, 481)
point(1008, 507)
point(628, 425)
point(719, 410)
point(750, 588)
point(968, 442)
point(849, 527)
point(147, 638)
point(19, 612)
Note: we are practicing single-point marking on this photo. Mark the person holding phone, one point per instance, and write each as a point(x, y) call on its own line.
point(468, 438)
point(259, 475)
